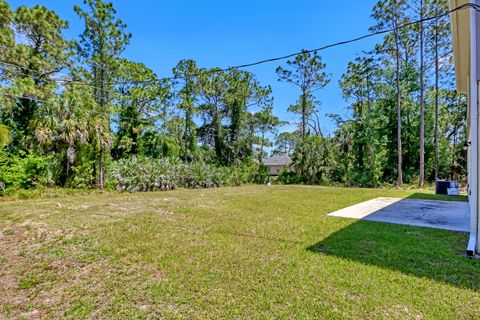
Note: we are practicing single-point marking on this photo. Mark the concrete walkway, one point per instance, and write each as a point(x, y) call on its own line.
point(449, 215)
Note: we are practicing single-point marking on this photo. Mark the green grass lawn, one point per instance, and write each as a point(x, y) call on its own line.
point(245, 252)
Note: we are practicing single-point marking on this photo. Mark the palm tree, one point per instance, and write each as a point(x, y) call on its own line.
point(68, 120)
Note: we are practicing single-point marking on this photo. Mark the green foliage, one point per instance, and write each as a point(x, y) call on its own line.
point(70, 122)
point(103, 38)
point(101, 43)
point(261, 174)
point(159, 146)
point(307, 72)
point(148, 174)
point(140, 100)
point(82, 173)
point(217, 121)
point(228, 127)
point(366, 146)
point(242, 174)
point(38, 58)
point(201, 175)
point(144, 174)
point(21, 171)
point(6, 32)
point(312, 160)
point(288, 176)
point(186, 70)
point(285, 142)
point(265, 122)
point(5, 136)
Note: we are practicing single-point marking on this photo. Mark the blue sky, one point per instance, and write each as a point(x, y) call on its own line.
point(221, 33)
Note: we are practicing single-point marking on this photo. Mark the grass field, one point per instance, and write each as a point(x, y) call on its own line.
point(245, 252)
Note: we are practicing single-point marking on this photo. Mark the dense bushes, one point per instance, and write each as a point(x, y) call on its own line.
point(312, 161)
point(28, 171)
point(288, 176)
point(143, 174)
point(260, 174)
point(201, 175)
point(21, 171)
point(147, 174)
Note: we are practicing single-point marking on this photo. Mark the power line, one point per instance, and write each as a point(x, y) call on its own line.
point(369, 35)
point(242, 66)
point(67, 80)
point(144, 121)
point(7, 66)
point(332, 45)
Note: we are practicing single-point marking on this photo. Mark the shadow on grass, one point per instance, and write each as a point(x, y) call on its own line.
point(421, 252)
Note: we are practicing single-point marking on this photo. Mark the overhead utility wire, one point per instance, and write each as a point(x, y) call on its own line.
point(241, 66)
point(380, 32)
point(336, 44)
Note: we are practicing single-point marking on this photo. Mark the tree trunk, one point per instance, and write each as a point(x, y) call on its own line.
point(436, 100)
point(101, 160)
point(304, 118)
point(186, 138)
point(421, 176)
point(101, 169)
point(260, 156)
point(217, 137)
point(399, 114)
point(368, 129)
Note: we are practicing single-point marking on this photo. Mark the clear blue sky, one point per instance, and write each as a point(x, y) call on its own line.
point(221, 33)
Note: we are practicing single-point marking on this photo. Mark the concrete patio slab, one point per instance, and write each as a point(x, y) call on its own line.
point(448, 215)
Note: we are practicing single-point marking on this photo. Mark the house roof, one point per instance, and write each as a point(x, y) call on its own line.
point(277, 160)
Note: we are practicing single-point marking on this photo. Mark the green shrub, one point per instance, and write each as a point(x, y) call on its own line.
point(148, 174)
point(157, 145)
point(287, 176)
point(242, 174)
point(145, 174)
point(21, 171)
point(82, 176)
point(201, 175)
point(82, 172)
point(313, 160)
point(5, 136)
point(261, 175)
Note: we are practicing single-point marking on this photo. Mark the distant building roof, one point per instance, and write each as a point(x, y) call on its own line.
point(277, 160)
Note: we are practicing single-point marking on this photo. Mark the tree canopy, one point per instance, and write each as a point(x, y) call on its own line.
point(79, 107)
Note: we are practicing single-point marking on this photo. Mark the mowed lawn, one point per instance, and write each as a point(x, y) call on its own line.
point(241, 252)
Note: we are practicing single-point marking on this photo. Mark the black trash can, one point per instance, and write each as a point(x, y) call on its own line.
point(441, 186)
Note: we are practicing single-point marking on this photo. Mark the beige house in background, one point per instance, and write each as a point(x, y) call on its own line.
point(276, 163)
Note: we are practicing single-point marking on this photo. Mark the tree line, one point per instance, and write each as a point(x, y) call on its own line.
point(406, 124)
point(71, 110)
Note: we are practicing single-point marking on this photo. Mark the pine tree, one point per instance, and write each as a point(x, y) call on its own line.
point(101, 43)
point(307, 72)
